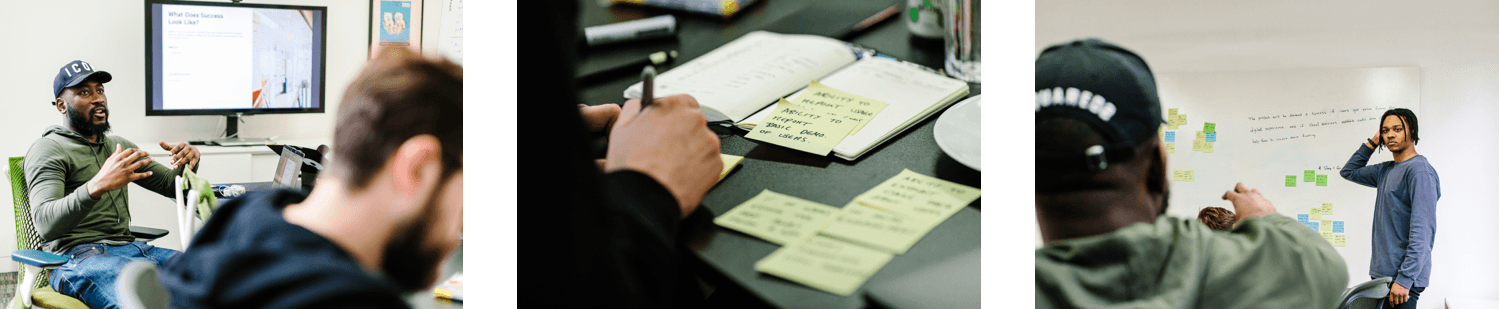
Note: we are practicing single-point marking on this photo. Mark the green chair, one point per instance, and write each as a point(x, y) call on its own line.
point(33, 288)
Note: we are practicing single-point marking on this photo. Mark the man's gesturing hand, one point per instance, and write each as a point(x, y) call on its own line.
point(670, 142)
point(183, 153)
point(1248, 203)
point(118, 170)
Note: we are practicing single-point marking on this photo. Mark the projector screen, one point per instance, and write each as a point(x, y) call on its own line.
point(223, 59)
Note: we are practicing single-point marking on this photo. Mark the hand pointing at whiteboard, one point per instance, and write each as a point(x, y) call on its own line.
point(1248, 203)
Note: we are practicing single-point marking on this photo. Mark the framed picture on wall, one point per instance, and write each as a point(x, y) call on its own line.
point(395, 23)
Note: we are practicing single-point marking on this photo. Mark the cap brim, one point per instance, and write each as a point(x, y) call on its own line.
point(103, 77)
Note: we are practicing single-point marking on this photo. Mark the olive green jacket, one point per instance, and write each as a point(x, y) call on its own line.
point(1270, 262)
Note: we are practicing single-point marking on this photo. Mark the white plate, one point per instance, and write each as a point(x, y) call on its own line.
point(957, 132)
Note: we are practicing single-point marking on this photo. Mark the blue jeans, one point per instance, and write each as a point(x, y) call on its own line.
point(92, 269)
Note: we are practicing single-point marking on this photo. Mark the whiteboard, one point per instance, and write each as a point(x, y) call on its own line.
point(1273, 124)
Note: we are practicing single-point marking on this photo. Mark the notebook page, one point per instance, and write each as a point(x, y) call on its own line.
point(751, 72)
point(913, 94)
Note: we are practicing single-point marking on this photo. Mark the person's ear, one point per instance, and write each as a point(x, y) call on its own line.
point(61, 105)
point(416, 165)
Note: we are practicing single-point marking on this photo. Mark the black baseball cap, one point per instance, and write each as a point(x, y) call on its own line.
point(1104, 85)
point(75, 73)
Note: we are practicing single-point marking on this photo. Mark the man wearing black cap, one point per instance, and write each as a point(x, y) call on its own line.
point(1101, 192)
point(74, 176)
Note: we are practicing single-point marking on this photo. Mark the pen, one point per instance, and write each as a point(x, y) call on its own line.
point(648, 77)
point(615, 71)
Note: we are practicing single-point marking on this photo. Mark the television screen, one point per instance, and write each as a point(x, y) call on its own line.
point(207, 58)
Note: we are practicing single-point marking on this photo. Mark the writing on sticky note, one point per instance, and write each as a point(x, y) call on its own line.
point(1212, 138)
point(1290, 180)
point(802, 128)
point(777, 218)
point(825, 264)
point(1171, 136)
point(1329, 237)
point(1180, 175)
point(1207, 147)
point(1181, 119)
point(729, 162)
point(1209, 127)
point(1321, 180)
point(1339, 240)
point(1197, 145)
point(918, 196)
point(1171, 111)
point(1313, 224)
point(1337, 226)
point(849, 106)
point(1326, 226)
point(873, 228)
point(1170, 148)
point(1316, 215)
point(1202, 136)
point(1302, 218)
point(1311, 176)
point(1327, 208)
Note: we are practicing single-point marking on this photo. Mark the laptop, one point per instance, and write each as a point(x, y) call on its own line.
point(286, 170)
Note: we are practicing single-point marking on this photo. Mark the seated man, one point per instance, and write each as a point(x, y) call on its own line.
point(76, 174)
point(1217, 218)
point(1101, 190)
point(379, 223)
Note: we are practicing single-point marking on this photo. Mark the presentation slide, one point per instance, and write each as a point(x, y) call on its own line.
point(216, 57)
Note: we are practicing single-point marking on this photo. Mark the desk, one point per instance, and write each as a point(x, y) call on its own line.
point(726, 258)
point(426, 300)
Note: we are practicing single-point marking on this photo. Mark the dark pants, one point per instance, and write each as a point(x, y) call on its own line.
point(1410, 302)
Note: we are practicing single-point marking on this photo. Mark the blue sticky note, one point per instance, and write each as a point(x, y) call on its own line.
point(1302, 217)
point(1212, 137)
point(1316, 226)
point(1170, 136)
point(1337, 226)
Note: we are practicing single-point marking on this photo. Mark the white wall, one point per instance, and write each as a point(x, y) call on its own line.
point(1455, 44)
point(110, 35)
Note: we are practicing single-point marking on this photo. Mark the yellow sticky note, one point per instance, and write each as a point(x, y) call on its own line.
point(1207, 147)
point(1170, 148)
point(1171, 112)
point(825, 264)
point(1171, 122)
point(1316, 215)
point(873, 228)
point(918, 196)
point(729, 162)
point(1327, 208)
point(851, 107)
point(1180, 175)
point(1202, 136)
point(777, 218)
point(1339, 240)
point(1325, 226)
point(1328, 236)
point(802, 128)
point(1197, 145)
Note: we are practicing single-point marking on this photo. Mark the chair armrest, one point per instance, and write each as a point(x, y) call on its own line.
point(38, 258)
point(141, 232)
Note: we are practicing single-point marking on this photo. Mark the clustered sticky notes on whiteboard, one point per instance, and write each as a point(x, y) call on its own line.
point(1171, 137)
point(1331, 230)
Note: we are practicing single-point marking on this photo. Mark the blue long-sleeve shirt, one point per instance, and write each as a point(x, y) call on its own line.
point(1405, 211)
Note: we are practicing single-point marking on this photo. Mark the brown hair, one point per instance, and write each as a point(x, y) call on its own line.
point(1217, 218)
point(397, 96)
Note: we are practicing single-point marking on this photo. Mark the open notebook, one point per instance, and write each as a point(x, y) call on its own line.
point(748, 75)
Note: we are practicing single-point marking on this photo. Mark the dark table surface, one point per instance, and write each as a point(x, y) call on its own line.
point(727, 257)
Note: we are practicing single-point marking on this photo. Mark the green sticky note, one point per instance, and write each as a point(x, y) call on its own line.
point(918, 196)
point(825, 264)
point(777, 218)
point(1290, 180)
point(1209, 128)
point(1311, 176)
point(1321, 180)
point(877, 229)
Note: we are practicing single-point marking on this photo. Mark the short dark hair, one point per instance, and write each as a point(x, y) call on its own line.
point(1408, 118)
point(398, 95)
point(1217, 218)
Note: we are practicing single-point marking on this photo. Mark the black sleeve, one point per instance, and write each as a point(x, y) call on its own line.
point(586, 239)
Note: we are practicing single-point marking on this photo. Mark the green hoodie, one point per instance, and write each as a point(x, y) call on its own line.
point(1270, 262)
point(57, 167)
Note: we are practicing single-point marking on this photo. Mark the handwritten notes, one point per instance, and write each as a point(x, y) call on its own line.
point(918, 196)
point(1327, 208)
point(1211, 137)
point(1180, 175)
point(849, 106)
point(825, 264)
point(877, 229)
point(1311, 176)
point(803, 128)
point(1170, 148)
point(1290, 180)
point(1209, 127)
point(1321, 180)
point(1339, 240)
point(1337, 226)
point(1171, 137)
point(1326, 226)
point(778, 218)
point(1207, 147)
point(729, 162)
point(1329, 237)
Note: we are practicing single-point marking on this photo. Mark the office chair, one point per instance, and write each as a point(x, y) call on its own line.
point(33, 289)
point(195, 202)
point(1367, 295)
point(139, 288)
